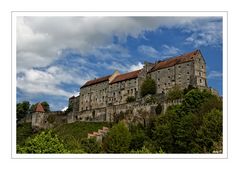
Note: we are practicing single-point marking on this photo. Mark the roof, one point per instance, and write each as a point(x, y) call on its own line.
point(95, 81)
point(126, 76)
point(39, 108)
point(175, 60)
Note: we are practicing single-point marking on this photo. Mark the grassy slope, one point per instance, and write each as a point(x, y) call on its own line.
point(72, 133)
point(23, 132)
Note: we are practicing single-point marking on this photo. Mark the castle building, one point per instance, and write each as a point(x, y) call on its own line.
point(97, 97)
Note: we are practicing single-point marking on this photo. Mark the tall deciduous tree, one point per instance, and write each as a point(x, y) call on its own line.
point(22, 109)
point(148, 87)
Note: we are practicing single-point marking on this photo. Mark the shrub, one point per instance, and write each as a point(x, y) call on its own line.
point(45, 142)
point(158, 109)
point(90, 145)
point(175, 93)
point(130, 99)
point(118, 139)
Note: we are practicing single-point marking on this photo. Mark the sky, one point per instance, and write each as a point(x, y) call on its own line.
point(57, 55)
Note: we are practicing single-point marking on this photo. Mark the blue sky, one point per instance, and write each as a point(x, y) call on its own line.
point(56, 55)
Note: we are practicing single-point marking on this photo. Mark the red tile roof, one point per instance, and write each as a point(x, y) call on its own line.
point(126, 76)
point(39, 108)
point(175, 60)
point(95, 81)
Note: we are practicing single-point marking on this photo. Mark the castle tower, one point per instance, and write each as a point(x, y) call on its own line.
point(38, 117)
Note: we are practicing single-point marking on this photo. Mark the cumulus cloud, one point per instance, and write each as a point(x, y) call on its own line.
point(135, 67)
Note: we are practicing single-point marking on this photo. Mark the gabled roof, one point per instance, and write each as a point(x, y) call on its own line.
point(39, 108)
point(175, 60)
point(126, 76)
point(95, 81)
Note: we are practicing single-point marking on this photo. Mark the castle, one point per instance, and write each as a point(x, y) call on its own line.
point(100, 99)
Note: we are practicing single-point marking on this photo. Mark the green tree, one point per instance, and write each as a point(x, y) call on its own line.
point(45, 142)
point(46, 106)
point(137, 137)
point(118, 139)
point(148, 87)
point(91, 145)
point(175, 93)
point(22, 109)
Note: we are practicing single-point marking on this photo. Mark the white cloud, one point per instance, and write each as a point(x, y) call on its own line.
point(136, 67)
point(64, 109)
point(214, 75)
point(164, 52)
point(204, 33)
point(46, 82)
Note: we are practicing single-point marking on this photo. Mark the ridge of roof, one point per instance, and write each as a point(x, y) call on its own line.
point(126, 76)
point(95, 81)
point(186, 57)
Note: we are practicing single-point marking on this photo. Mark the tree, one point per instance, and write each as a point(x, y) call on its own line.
point(46, 106)
point(45, 142)
point(148, 87)
point(118, 139)
point(90, 145)
point(137, 137)
point(175, 93)
point(22, 109)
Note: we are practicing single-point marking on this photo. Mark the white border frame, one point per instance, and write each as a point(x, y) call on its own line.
point(223, 14)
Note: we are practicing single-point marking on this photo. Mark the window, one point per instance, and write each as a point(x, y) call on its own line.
point(202, 66)
point(168, 69)
point(188, 64)
point(200, 80)
point(188, 72)
point(199, 73)
point(169, 77)
point(179, 66)
point(128, 91)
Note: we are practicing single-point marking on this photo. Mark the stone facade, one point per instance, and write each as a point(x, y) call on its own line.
point(103, 97)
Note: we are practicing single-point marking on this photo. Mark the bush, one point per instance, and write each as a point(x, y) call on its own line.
point(90, 145)
point(45, 142)
point(148, 87)
point(175, 93)
point(158, 109)
point(118, 139)
point(130, 99)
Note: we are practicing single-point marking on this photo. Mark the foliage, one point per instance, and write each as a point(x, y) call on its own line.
point(158, 109)
point(130, 99)
point(194, 99)
point(148, 87)
point(45, 142)
point(23, 132)
point(142, 150)
point(69, 108)
point(90, 145)
point(118, 139)
point(22, 109)
point(137, 137)
point(174, 93)
point(73, 133)
point(46, 106)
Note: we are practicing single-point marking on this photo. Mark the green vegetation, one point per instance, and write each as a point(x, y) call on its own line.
point(118, 139)
point(73, 133)
point(23, 132)
point(175, 93)
point(148, 87)
point(130, 99)
point(22, 109)
point(45, 142)
point(194, 126)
